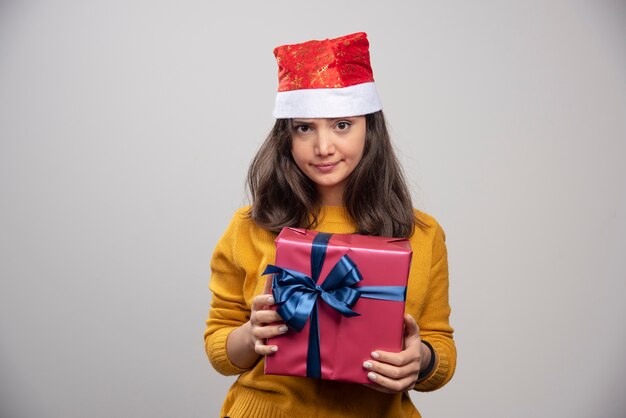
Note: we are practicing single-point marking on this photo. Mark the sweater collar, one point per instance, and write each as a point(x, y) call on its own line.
point(334, 214)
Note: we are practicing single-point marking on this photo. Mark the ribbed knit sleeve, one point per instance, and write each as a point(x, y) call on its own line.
point(228, 306)
point(434, 319)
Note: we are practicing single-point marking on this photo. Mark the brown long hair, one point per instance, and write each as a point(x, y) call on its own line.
point(376, 195)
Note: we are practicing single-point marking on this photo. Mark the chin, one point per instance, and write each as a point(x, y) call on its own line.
point(328, 183)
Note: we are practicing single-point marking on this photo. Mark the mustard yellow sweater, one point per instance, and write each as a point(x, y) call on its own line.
point(238, 261)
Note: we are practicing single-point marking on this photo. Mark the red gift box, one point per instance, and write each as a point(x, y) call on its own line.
point(334, 328)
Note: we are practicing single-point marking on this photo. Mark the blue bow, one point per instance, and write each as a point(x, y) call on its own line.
point(296, 293)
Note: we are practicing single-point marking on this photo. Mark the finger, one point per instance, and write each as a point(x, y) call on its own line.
point(261, 333)
point(266, 317)
point(261, 301)
point(411, 332)
point(399, 385)
point(411, 329)
point(402, 358)
point(393, 372)
point(263, 349)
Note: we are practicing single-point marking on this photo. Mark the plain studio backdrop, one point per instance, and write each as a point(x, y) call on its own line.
point(126, 129)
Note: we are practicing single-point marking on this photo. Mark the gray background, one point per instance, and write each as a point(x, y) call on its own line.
point(126, 129)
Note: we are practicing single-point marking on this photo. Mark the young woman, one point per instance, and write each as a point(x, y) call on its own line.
point(327, 165)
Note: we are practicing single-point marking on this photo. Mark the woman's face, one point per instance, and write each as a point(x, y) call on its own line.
point(327, 150)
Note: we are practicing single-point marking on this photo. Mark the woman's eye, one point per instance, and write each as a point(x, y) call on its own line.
point(342, 126)
point(301, 129)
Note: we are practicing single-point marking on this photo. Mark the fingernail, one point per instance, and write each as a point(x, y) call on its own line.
point(411, 316)
point(375, 354)
point(371, 376)
point(283, 328)
point(367, 364)
point(270, 300)
point(274, 348)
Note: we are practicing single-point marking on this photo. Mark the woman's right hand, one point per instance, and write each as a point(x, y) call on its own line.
point(246, 343)
point(265, 323)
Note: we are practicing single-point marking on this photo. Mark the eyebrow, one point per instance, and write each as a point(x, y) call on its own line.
point(309, 121)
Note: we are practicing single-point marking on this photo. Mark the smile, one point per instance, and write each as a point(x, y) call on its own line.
point(326, 166)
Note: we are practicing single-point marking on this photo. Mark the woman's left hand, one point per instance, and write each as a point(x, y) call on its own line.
point(398, 372)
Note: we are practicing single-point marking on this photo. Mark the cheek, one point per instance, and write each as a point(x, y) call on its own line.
point(358, 147)
point(298, 155)
point(357, 160)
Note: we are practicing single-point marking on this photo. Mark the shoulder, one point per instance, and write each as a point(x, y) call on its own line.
point(424, 217)
point(241, 220)
point(243, 226)
point(242, 214)
point(429, 222)
point(428, 230)
point(241, 217)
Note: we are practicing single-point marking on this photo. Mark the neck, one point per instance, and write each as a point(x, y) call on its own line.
point(330, 196)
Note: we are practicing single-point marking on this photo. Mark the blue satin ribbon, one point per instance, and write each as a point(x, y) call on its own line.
point(297, 295)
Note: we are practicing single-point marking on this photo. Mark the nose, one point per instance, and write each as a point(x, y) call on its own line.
point(325, 145)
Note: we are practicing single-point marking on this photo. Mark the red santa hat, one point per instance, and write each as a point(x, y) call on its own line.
point(325, 79)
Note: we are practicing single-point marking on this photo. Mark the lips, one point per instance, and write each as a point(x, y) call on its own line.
point(325, 167)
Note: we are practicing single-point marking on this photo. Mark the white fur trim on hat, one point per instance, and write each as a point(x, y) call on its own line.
point(356, 100)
